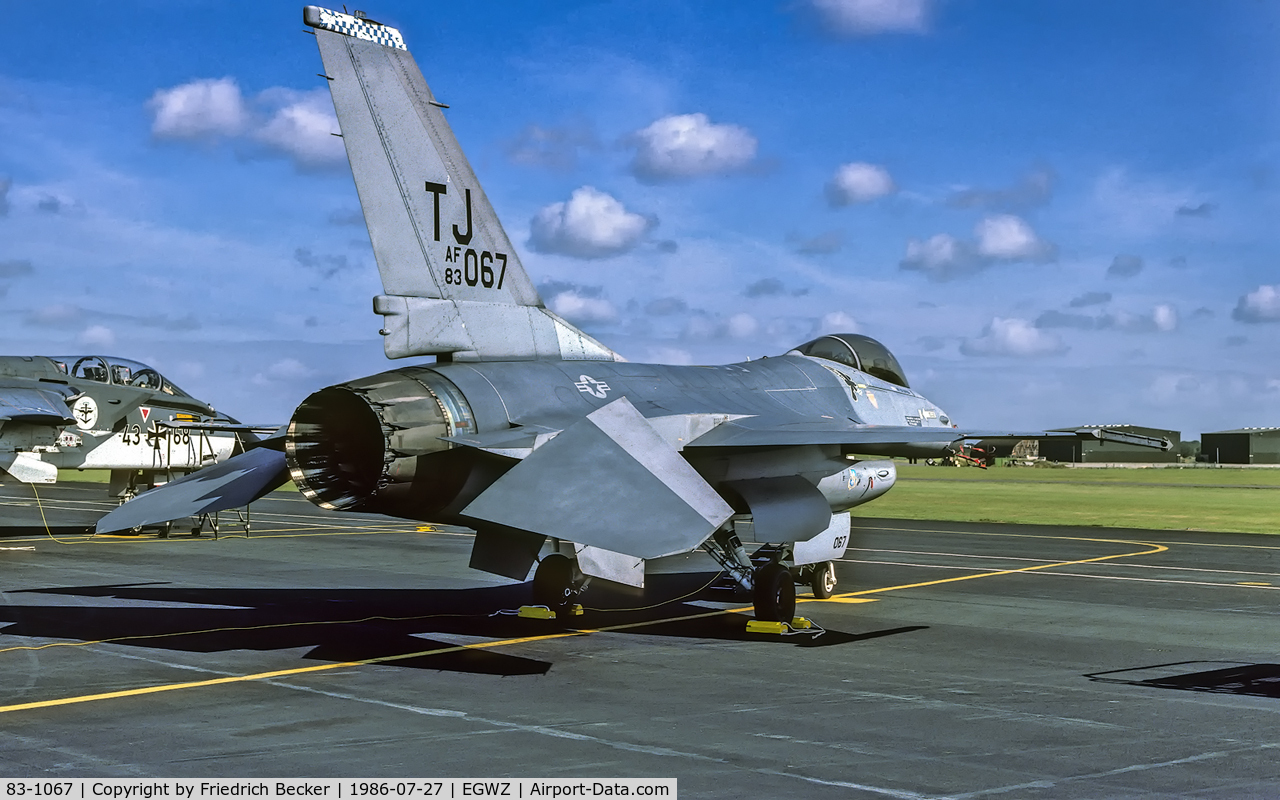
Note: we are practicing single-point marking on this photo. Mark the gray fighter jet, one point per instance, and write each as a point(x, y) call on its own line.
point(528, 430)
point(102, 412)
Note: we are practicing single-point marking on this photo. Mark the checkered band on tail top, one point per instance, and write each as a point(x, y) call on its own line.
point(354, 27)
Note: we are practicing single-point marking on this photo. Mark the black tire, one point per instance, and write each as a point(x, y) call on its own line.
point(553, 583)
point(823, 580)
point(775, 594)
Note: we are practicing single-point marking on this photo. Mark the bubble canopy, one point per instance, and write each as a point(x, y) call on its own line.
point(118, 371)
point(860, 352)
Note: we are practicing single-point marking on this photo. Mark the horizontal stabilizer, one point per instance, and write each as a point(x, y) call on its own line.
point(608, 481)
point(234, 483)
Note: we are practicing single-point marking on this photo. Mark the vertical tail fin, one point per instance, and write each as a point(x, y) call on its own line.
point(453, 282)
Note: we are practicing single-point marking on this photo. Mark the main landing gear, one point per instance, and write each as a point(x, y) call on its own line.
point(557, 584)
point(766, 575)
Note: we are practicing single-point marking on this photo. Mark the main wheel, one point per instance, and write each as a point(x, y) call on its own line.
point(553, 583)
point(823, 580)
point(775, 594)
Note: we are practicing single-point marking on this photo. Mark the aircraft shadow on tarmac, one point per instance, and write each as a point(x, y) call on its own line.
point(1255, 680)
point(361, 624)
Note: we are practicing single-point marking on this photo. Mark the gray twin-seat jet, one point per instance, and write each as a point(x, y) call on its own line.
point(526, 429)
point(103, 412)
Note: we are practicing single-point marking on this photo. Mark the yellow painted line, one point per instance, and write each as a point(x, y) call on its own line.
point(281, 673)
point(845, 597)
point(837, 599)
point(1154, 548)
point(1252, 583)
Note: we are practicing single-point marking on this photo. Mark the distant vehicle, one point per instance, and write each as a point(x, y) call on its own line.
point(527, 429)
point(104, 412)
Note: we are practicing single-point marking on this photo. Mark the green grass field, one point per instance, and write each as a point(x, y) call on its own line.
point(1232, 500)
point(1246, 501)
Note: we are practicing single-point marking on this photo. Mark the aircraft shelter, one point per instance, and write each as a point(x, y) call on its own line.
point(1241, 446)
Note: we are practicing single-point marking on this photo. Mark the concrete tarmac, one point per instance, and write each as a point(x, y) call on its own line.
point(960, 661)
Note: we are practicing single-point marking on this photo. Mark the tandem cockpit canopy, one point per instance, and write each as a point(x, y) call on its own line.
point(857, 351)
point(117, 371)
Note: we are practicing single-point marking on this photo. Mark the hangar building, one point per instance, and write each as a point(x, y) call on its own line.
point(1241, 446)
point(1092, 451)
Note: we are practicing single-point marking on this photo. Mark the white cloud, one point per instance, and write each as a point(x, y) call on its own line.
point(1005, 237)
point(1012, 337)
point(97, 336)
point(742, 326)
point(837, 322)
point(286, 370)
point(303, 127)
point(867, 17)
point(1000, 238)
point(1165, 318)
point(199, 109)
point(690, 145)
point(296, 124)
point(591, 224)
point(577, 307)
point(669, 355)
point(859, 182)
point(1260, 305)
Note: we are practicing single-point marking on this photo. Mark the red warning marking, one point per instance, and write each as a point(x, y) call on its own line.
point(146, 412)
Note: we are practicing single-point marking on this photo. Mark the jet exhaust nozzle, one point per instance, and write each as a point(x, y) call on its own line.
point(345, 443)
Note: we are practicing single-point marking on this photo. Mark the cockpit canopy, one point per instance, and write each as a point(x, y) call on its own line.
point(117, 371)
point(860, 352)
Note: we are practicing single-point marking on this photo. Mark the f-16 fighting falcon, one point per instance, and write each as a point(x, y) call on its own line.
point(102, 412)
point(536, 435)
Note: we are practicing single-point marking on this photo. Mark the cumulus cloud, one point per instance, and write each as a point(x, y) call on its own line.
point(286, 370)
point(1012, 337)
point(591, 224)
point(669, 355)
point(1001, 238)
point(1090, 299)
point(580, 304)
point(712, 326)
point(858, 182)
point(870, 17)
point(199, 109)
point(5, 185)
point(577, 308)
point(553, 148)
point(97, 336)
point(690, 145)
point(1034, 189)
point(1004, 237)
point(296, 124)
point(1125, 266)
point(1165, 318)
point(836, 322)
point(301, 125)
point(1260, 305)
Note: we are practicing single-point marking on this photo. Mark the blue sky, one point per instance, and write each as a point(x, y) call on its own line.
point(1054, 213)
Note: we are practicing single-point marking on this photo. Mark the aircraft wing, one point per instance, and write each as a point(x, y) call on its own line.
point(887, 440)
point(40, 406)
point(235, 482)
